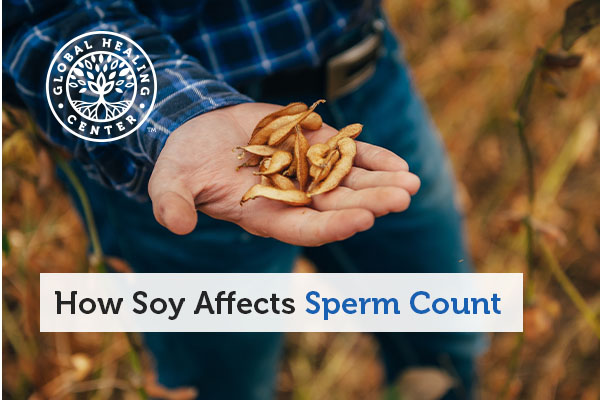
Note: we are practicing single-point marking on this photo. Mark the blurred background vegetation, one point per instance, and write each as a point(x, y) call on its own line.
point(470, 60)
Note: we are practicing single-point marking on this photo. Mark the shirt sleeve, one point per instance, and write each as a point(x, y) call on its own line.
point(35, 30)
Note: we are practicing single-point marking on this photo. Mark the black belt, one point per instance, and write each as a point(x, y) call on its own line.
point(339, 74)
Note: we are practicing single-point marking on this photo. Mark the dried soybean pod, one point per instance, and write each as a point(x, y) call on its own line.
point(292, 197)
point(262, 136)
point(317, 154)
point(284, 122)
point(333, 158)
point(351, 131)
point(314, 171)
point(291, 171)
point(277, 163)
point(324, 172)
point(288, 144)
point(280, 128)
point(252, 161)
point(347, 148)
point(300, 150)
point(265, 181)
point(312, 122)
point(264, 164)
point(281, 182)
point(259, 150)
point(290, 109)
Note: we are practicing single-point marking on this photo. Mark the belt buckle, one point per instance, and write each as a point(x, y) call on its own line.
point(345, 72)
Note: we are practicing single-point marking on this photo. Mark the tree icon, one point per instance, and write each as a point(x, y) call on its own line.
point(102, 78)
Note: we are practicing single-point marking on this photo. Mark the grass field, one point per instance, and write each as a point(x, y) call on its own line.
point(470, 59)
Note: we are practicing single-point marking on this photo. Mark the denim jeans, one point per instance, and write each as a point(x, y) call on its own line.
point(428, 237)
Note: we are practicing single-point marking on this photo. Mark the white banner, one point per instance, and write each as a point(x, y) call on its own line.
point(281, 302)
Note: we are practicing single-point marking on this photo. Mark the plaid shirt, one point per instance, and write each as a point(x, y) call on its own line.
point(198, 50)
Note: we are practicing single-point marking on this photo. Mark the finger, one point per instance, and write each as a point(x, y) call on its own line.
point(304, 226)
point(172, 203)
point(360, 178)
point(377, 158)
point(380, 201)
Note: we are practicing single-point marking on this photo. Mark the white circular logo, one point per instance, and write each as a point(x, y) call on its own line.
point(101, 86)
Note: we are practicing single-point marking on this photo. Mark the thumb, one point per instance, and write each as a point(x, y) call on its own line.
point(172, 203)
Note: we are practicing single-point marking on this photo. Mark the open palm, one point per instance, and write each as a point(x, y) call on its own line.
point(197, 170)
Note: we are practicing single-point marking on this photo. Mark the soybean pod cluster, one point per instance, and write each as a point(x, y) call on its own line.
point(291, 171)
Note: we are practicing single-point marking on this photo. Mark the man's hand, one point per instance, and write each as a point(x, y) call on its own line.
point(197, 170)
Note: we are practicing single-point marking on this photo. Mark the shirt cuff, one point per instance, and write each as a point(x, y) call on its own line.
point(184, 91)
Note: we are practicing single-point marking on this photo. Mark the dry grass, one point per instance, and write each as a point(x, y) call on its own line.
point(469, 59)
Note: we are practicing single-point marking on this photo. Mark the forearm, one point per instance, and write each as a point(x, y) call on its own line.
point(184, 88)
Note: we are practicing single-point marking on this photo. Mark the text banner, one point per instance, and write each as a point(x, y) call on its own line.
point(281, 302)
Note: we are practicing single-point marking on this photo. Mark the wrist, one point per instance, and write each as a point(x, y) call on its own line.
point(180, 100)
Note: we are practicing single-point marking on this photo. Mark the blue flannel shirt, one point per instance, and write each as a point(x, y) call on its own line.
point(199, 50)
